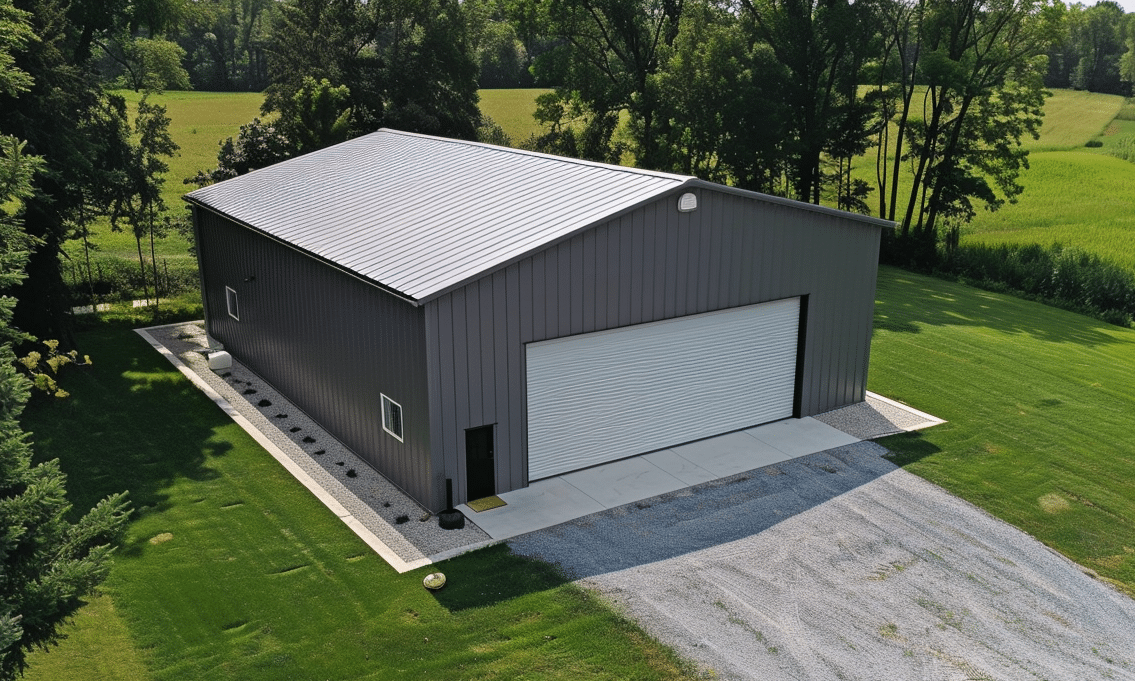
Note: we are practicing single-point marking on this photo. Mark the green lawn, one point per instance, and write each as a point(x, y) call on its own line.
point(1040, 404)
point(512, 110)
point(232, 570)
point(256, 580)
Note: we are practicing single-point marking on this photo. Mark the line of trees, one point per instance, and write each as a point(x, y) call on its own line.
point(780, 96)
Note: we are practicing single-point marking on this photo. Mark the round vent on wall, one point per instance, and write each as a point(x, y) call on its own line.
point(687, 202)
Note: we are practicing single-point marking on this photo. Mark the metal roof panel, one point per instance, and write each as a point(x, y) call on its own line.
point(421, 214)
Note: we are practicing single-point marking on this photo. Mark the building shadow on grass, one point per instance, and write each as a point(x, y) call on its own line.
point(132, 423)
point(907, 448)
point(490, 576)
point(705, 516)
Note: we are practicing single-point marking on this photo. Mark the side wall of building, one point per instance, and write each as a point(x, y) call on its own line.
point(651, 264)
point(328, 341)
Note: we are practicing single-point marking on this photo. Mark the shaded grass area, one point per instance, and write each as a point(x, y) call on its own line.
point(512, 110)
point(1039, 403)
point(1085, 200)
point(232, 570)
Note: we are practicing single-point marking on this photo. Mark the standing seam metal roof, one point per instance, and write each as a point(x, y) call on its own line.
point(420, 214)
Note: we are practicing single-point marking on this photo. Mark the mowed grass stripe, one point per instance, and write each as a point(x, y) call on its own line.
point(1040, 404)
point(276, 587)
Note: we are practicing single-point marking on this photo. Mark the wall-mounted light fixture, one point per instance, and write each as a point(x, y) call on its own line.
point(687, 202)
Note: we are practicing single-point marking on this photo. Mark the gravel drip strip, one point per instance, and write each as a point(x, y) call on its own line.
point(875, 418)
point(839, 565)
point(372, 499)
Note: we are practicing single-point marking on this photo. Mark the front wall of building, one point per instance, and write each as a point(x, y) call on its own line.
point(330, 342)
point(651, 264)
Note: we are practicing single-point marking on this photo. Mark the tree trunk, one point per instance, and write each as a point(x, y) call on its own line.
point(142, 265)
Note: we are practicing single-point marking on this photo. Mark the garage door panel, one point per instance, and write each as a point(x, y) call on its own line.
point(608, 395)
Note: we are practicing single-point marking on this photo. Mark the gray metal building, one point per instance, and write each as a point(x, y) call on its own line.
point(492, 316)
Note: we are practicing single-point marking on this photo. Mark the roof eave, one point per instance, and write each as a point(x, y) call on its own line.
point(780, 200)
point(405, 297)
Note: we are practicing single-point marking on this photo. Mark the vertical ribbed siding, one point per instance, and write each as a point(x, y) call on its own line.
point(651, 264)
point(329, 342)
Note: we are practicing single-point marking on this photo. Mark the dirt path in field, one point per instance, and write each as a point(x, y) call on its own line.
point(841, 566)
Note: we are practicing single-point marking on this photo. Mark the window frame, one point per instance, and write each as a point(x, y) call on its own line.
point(388, 413)
point(232, 303)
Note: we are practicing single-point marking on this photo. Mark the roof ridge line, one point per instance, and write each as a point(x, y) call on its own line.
point(540, 154)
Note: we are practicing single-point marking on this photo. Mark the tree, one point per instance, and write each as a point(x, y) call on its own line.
point(1127, 61)
point(718, 95)
point(47, 563)
point(963, 83)
point(225, 42)
point(822, 45)
point(139, 200)
point(257, 145)
point(1099, 44)
point(153, 64)
point(62, 117)
point(502, 58)
point(318, 115)
point(608, 52)
point(407, 63)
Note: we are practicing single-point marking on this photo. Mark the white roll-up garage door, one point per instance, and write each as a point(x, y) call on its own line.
point(608, 395)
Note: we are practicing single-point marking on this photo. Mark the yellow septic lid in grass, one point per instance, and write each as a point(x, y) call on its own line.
point(434, 581)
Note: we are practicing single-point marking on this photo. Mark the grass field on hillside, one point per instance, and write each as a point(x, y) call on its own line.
point(1072, 117)
point(1039, 403)
point(512, 110)
point(1071, 197)
point(232, 570)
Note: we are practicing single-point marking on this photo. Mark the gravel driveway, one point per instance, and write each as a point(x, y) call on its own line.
point(841, 566)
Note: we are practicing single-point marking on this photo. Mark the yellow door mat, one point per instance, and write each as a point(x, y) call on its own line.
point(485, 504)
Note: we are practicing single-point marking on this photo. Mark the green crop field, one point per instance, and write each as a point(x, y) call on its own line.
point(1075, 198)
point(1072, 117)
point(1074, 195)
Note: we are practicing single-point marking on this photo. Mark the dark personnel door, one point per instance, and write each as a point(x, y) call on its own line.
point(480, 475)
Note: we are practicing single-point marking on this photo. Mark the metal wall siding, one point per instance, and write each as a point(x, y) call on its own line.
point(329, 342)
point(733, 250)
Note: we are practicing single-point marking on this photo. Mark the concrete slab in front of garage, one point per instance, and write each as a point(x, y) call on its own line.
point(556, 500)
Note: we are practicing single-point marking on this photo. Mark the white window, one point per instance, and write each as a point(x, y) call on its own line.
point(230, 301)
point(392, 417)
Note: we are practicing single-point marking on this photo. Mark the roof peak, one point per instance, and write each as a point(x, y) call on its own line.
point(538, 154)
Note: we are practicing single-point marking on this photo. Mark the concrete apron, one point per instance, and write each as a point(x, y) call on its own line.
point(556, 500)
